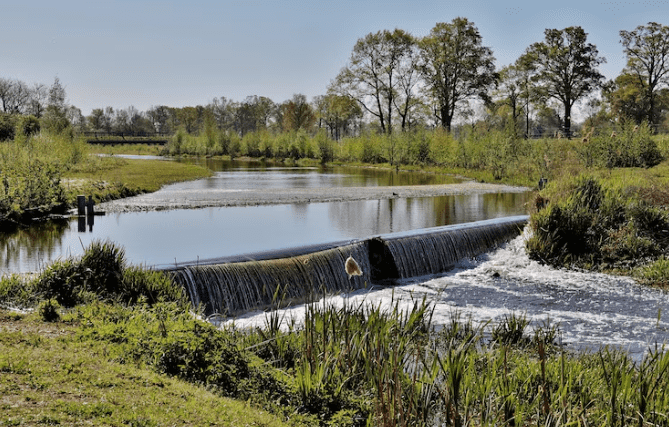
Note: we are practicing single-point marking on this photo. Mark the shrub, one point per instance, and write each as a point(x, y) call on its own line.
point(48, 310)
point(7, 126)
point(628, 145)
point(656, 273)
point(101, 274)
point(589, 227)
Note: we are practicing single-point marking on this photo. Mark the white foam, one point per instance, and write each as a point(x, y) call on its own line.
point(591, 309)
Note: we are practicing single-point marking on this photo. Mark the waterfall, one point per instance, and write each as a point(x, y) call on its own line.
point(438, 249)
point(241, 286)
point(234, 287)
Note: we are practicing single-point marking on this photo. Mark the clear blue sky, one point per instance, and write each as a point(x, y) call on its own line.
point(178, 53)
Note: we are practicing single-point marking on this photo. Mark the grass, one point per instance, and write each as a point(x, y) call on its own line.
point(43, 173)
point(108, 178)
point(135, 149)
point(112, 344)
point(51, 377)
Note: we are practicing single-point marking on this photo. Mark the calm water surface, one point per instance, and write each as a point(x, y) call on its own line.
point(164, 237)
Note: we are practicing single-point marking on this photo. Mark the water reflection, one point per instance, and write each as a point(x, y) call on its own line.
point(82, 221)
point(163, 237)
point(246, 175)
point(27, 246)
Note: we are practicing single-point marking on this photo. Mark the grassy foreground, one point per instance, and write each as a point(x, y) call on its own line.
point(50, 376)
point(112, 344)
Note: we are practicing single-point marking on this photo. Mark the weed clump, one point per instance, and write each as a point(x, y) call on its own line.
point(48, 310)
point(587, 226)
point(100, 274)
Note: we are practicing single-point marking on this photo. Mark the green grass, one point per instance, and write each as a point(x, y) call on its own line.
point(108, 178)
point(136, 149)
point(43, 173)
point(50, 376)
point(104, 348)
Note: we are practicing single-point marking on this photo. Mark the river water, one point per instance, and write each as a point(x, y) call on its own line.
point(164, 237)
point(590, 310)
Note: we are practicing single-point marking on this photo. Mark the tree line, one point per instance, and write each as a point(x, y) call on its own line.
point(394, 80)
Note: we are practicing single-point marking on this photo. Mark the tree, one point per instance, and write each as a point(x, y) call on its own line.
point(39, 95)
point(159, 117)
point(647, 50)
point(376, 69)
point(254, 114)
point(339, 113)
point(55, 118)
point(456, 67)
point(224, 112)
point(96, 121)
point(14, 96)
point(626, 98)
point(297, 114)
point(566, 68)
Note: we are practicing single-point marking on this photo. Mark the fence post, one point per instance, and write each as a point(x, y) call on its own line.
point(81, 205)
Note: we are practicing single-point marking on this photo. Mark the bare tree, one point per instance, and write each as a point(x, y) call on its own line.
point(374, 75)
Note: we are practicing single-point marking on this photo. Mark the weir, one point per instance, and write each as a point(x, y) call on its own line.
point(236, 285)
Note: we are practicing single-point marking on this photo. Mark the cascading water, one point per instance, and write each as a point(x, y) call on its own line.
point(591, 310)
point(241, 286)
point(436, 250)
point(235, 287)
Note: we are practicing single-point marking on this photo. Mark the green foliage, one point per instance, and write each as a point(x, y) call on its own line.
point(99, 274)
point(456, 66)
point(48, 310)
point(354, 365)
point(31, 168)
point(566, 67)
point(7, 126)
point(590, 227)
point(628, 145)
point(511, 330)
point(656, 273)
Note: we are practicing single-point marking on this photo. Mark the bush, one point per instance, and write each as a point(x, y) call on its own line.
point(656, 273)
point(48, 310)
point(588, 227)
point(7, 126)
point(101, 274)
point(628, 145)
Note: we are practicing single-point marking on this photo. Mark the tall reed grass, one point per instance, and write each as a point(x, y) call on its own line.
point(31, 168)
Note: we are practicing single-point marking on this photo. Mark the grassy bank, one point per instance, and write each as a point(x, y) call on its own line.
point(103, 331)
point(50, 376)
point(107, 178)
point(612, 220)
point(43, 173)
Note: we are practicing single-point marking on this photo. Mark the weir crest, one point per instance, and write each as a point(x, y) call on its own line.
point(238, 285)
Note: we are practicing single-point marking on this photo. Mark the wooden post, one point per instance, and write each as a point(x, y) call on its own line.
point(90, 205)
point(81, 205)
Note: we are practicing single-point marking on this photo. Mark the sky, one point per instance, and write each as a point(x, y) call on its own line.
point(141, 53)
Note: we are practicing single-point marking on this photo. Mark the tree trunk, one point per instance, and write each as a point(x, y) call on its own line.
point(567, 120)
point(446, 118)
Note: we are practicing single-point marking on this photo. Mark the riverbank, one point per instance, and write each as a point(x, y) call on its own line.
point(111, 178)
point(44, 175)
point(91, 344)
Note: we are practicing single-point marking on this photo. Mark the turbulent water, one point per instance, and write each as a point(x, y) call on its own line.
point(591, 310)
